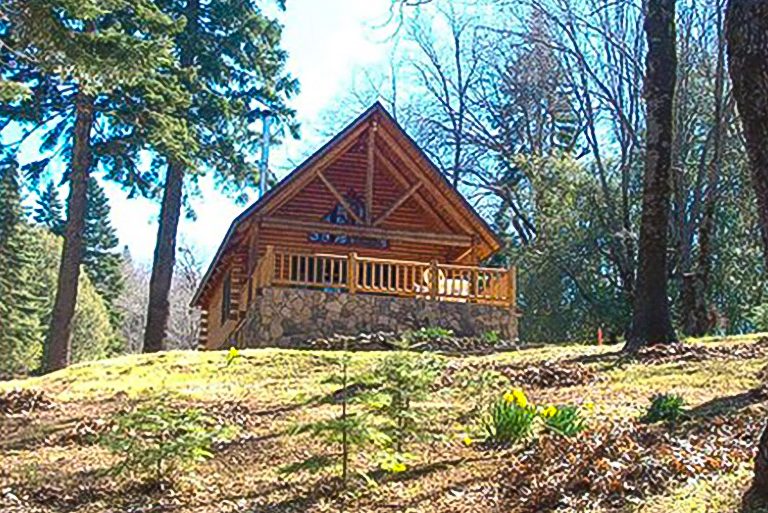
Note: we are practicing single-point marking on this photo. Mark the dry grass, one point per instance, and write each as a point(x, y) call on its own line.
point(45, 465)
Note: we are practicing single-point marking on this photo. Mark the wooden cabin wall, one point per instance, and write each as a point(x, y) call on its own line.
point(217, 331)
point(347, 173)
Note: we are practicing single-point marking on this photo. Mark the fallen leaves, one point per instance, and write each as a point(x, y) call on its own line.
point(23, 401)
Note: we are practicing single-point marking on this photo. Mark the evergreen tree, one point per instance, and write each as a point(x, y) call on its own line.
point(101, 256)
point(49, 211)
point(86, 64)
point(20, 325)
point(234, 50)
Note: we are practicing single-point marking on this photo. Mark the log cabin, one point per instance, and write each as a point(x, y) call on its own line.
point(365, 235)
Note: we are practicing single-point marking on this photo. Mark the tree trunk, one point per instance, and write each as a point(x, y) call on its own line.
point(158, 309)
point(757, 495)
point(57, 351)
point(697, 320)
point(651, 322)
point(746, 30)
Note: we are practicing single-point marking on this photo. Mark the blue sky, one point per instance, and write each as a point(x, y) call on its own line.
point(328, 42)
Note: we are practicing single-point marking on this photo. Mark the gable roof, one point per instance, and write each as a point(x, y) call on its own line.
point(376, 110)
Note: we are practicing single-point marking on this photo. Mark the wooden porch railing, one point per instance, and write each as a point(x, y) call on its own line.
point(356, 274)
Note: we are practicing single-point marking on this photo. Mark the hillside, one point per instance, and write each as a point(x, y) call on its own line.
point(49, 462)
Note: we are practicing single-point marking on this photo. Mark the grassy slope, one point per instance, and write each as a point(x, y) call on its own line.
point(43, 463)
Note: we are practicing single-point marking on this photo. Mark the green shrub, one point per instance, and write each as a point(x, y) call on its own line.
point(511, 419)
point(664, 407)
point(159, 441)
point(403, 380)
point(492, 338)
point(426, 334)
point(565, 420)
point(758, 316)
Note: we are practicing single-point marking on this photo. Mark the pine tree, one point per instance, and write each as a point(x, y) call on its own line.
point(49, 211)
point(234, 50)
point(21, 330)
point(86, 64)
point(101, 256)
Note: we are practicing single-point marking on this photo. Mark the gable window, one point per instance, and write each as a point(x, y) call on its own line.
point(226, 298)
point(340, 216)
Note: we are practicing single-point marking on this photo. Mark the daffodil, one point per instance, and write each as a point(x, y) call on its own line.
point(398, 467)
point(520, 398)
point(549, 411)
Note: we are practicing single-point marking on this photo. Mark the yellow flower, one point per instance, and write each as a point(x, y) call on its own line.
point(398, 467)
point(549, 411)
point(520, 398)
point(589, 405)
point(467, 441)
point(516, 396)
point(233, 352)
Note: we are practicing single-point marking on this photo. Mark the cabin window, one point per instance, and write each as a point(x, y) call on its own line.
point(226, 298)
point(340, 216)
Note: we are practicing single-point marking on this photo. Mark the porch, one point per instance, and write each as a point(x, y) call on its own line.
point(292, 294)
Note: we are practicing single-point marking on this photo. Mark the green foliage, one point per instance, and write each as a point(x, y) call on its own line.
point(562, 289)
point(23, 301)
point(101, 257)
point(665, 407)
point(158, 441)
point(511, 419)
point(350, 430)
point(404, 379)
point(758, 316)
point(426, 334)
point(49, 211)
point(29, 265)
point(564, 420)
point(491, 338)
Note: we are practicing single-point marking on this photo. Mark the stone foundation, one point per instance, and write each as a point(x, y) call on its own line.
point(286, 317)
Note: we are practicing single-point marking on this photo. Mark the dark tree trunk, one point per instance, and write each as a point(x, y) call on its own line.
point(757, 495)
point(164, 260)
point(651, 322)
point(158, 309)
point(57, 351)
point(746, 31)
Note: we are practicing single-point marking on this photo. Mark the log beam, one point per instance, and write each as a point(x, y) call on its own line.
point(339, 197)
point(397, 204)
point(369, 172)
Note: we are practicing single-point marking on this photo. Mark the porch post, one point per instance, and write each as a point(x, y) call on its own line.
point(269, 266)
point(434, 285)
point(512, 286)
point(352, 273)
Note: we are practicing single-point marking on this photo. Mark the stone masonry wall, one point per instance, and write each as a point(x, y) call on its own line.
point(286, 317)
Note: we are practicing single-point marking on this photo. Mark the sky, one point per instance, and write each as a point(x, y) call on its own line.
point(327, 42)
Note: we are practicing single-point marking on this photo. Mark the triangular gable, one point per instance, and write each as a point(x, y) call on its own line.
point(401, 153)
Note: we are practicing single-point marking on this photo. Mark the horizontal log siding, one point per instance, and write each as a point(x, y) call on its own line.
point(348, 173)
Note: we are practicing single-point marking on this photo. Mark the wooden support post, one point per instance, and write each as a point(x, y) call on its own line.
point(352, 273)
point(512, 286)
point(369, 173)
point(434, 282)
point(269, 266)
